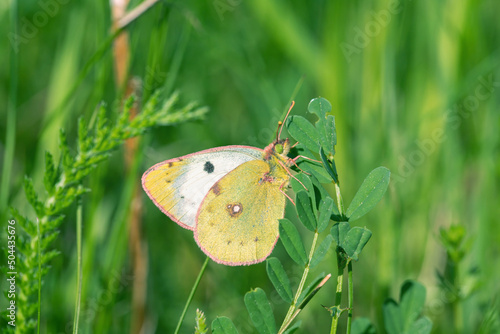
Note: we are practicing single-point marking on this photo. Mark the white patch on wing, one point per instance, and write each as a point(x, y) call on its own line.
point(193, 185)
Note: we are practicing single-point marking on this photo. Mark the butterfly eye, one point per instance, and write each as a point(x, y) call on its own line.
point(278, 148)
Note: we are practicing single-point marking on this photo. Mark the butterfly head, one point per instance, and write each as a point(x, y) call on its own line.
point(282, 146)
point(278, 148)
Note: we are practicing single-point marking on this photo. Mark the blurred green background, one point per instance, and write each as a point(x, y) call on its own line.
point(415, 87)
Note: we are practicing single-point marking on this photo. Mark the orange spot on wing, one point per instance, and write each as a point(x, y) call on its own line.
point(216, 189)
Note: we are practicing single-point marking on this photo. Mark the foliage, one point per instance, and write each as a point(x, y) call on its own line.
point(414, 86)
point(63, 186)
point(314, 209)
point(200, 323)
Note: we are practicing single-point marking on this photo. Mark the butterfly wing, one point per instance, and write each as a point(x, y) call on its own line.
point(178, 186)
point(237, 223)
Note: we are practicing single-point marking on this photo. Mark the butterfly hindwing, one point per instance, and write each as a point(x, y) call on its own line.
point(237, 222)
point(178, 186)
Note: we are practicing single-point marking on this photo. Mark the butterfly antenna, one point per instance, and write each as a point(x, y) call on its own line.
point(281, 123)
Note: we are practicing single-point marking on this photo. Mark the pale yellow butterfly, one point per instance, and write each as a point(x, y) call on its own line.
point(230, 196)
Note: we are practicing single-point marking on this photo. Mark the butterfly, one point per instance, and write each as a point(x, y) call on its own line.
point(230, 196)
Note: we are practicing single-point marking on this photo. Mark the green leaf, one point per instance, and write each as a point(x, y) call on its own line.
point(319, 106)
point(321, 251)
point(320, 193)
point(102, 129)
point(201, 323)
point(363, 326)
point(304, 132)
point(84, 141)
point(260, 311)
point(314, 168)
point(65, 157)
point(310, 287)
point(279, 278)
point(339, 232)
point(50, 176)
point(49, 238)
point(325, 124)
point(223, 325)
point(393, 320)
point(328, 135)
point(292, 242)
point(421, 326)
point(304, 210)
point(355, 240)
point(370, 193)
point(314, 188)
point(306, 181)
point(32, 197)
point(405, 317)
point(49, 255)
point(319, 190)
point(318, 171)
point(329, 166)
point(324, 213)
point(411, 301)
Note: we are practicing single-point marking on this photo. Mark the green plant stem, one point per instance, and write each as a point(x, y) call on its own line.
point(350, 296)
point(190, 298)
point(79, 269)
point(10, 131)
point(338, 293)
point(39, 251)
point(456, 304)
point(291, 314)
point(340, 270)
point(340, 202)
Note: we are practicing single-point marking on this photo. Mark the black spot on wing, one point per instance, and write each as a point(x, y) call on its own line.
point(208, 167)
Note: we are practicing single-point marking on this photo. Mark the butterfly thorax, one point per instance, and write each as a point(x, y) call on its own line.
point(275, 154)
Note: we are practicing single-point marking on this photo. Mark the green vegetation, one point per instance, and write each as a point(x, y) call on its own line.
point(413, 86)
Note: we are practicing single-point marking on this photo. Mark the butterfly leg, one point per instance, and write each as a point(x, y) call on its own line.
point(292, 175)
point(304, 157)
point(303, 171)
point(294, 161)
point(284, 193)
